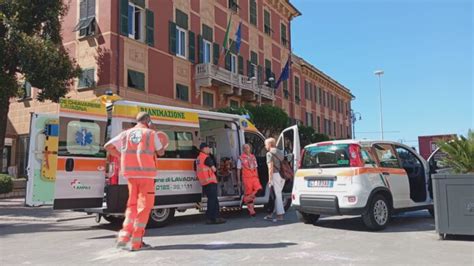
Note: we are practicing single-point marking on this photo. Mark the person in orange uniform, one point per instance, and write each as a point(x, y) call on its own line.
point(137, 148)
point(205, 171)
point(248, 164)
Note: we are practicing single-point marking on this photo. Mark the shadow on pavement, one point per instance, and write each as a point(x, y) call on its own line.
point(223, 246)
point(405, 222)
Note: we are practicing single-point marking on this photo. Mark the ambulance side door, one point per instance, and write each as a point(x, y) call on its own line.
point(80, 176)
point(289, 143)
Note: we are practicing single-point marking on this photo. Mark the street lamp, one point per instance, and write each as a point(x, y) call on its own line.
point(355, 116)
point(380, 73)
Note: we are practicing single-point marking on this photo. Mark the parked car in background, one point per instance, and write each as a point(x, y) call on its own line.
point(374, 179)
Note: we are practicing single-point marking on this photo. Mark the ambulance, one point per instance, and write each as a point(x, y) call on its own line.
point(69, 168)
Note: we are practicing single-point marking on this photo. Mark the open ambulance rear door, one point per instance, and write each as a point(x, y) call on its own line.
point(80, 176)
point(42, 159)
point(289, 143)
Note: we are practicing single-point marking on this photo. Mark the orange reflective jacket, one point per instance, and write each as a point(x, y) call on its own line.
point(249, 166)
point(204, 173)
point(138, 153)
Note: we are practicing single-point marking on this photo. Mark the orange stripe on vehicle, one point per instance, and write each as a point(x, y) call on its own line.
point(185, 165)
point(369, 170)
point(83, 164)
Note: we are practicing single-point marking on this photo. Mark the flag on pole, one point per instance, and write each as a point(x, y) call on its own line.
point(285, 73)
point(226, 36)
point(238, 38)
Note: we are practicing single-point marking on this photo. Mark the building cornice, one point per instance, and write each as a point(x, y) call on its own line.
point(285, 8)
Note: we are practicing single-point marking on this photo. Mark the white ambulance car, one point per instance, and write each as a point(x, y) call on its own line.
point(69, 168)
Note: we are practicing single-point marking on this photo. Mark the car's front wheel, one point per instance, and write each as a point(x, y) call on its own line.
point(307, 218)
point(377, 214)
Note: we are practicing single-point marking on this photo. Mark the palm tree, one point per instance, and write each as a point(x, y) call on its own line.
point(460, 153)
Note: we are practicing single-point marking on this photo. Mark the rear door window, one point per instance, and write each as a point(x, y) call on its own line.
point(386, 156)
point(83, 138)
point(327, 156)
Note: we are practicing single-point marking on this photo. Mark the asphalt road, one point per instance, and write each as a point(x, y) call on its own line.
point(410, 239)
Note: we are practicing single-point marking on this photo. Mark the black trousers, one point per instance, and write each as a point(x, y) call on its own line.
point(210, 191)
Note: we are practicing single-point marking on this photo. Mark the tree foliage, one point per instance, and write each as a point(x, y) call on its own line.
point(269, 119)
point(31, 49)
point(308, 135)
point(460, 153)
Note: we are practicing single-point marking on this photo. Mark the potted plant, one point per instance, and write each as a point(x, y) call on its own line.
point(454, 192)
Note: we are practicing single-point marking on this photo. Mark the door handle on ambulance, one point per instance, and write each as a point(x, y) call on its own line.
point(69, 165)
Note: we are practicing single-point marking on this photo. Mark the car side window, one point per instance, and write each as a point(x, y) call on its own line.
point(366, 156)
point(386, 156)
point(408, 159)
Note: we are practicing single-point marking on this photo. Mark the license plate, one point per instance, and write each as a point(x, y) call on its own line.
point(320, 183)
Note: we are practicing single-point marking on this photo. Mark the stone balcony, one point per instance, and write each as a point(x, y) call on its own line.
point(231, 84)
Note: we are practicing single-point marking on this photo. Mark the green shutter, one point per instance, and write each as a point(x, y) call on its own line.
point(124, 17)
point(215, 54)
point(266, 22)
point(249, 69)
point(150, 28)
point(192, 46)
point(172, 37)
point(140, 3)
point(241, 65)
point(228, 61)
point(260, 75)
point(200, 44)
point(181, 19)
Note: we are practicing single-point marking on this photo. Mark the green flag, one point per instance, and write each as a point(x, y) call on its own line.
point(226, 37)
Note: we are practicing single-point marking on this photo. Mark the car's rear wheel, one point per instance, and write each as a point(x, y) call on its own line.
point(114, 220)
point(160, 217)
point(378, 213)
point(307, 218)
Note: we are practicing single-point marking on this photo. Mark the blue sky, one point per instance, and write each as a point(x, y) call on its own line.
point(424, 47)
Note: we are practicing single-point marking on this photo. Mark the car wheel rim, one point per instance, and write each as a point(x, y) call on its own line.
point(380, 212)
point(160, 215)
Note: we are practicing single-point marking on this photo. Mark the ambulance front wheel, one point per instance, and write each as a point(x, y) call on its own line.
point(160, 217)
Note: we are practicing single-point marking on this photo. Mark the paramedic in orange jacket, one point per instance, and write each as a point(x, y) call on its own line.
point(206, 173)
point(248, 164)
point(137, 148)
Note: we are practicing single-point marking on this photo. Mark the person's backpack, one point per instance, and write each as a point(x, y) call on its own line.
point(285, 170)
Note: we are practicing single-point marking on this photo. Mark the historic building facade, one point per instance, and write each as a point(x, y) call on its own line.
point(171, 52)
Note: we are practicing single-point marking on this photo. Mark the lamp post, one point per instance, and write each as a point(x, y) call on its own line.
point(354, 117)
point(379, 73)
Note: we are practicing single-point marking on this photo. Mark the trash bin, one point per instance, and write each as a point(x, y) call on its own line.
point(454, 204)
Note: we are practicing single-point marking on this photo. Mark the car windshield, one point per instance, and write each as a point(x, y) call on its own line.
point(326, 156)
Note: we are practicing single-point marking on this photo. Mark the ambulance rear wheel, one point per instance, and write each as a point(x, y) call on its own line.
point(160, 217)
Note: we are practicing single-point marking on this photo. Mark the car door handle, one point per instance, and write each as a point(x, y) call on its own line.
point(385, 173)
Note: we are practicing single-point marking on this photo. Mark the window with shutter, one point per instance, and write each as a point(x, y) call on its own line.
point(253, 12)
point(136, 80)
point(136, 21)
point(87, 22)
point(124, 17)
point(284, 40)
point(208, 99)
point(232, 4)
point(172, 37)
point(182, 92)
point(285, 89)
point(268, 69)
point(297, 89)
point(207, 33)
point(266, 22)
point(87, 78)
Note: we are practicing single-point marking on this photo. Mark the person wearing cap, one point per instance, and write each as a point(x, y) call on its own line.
point(206, 173)
point(137, 149)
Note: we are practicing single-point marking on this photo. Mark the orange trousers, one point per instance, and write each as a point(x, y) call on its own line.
point(141, 199)
point(251, 187)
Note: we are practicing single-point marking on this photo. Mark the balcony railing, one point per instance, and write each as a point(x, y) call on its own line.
point(229, 83)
